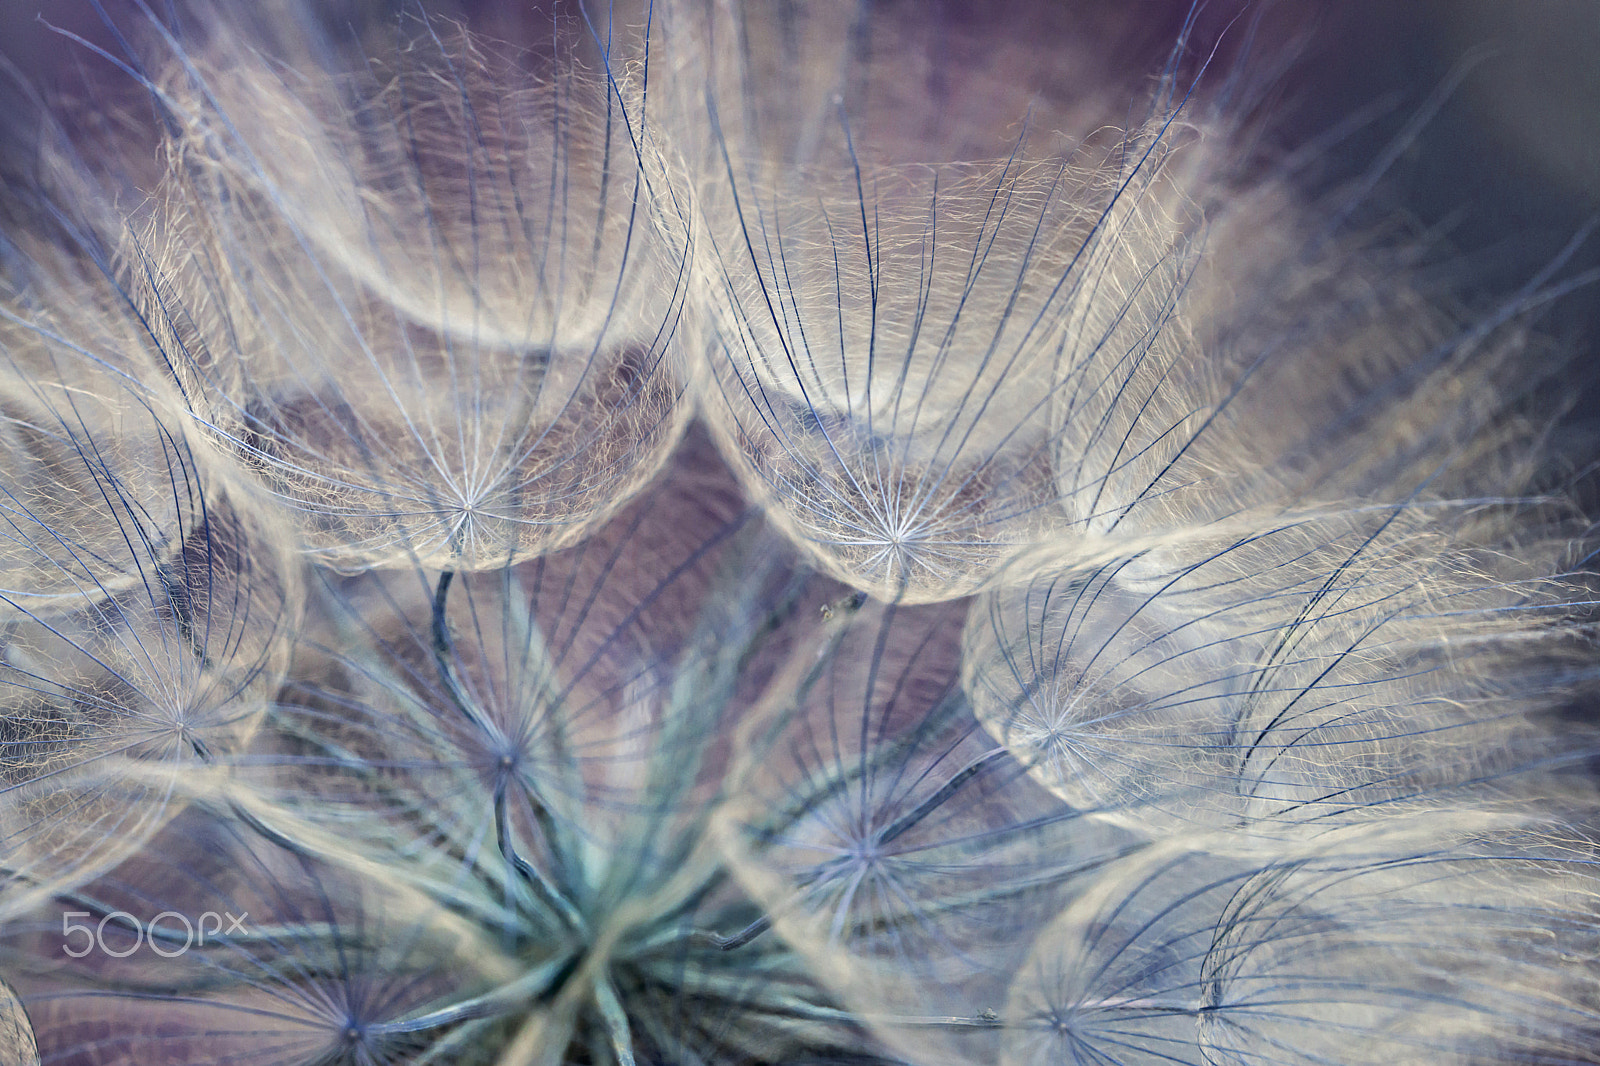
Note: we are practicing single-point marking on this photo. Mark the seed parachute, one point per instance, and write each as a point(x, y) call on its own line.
point(711, 533)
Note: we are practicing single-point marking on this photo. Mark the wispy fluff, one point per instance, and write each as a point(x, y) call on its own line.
point(147, 610)
point(425, 299)
point(703, 533)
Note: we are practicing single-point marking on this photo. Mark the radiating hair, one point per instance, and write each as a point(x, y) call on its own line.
point(730, 533)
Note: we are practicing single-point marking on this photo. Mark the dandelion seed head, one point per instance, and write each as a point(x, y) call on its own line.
point(158, 633)
point(830, 533)
point(1272, 694)
point(491, 287)
point(16, 1035)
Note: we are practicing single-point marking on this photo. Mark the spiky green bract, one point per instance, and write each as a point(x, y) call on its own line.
point(506, 779)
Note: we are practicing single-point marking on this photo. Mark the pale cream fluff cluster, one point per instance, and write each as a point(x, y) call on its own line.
point(730, 533)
